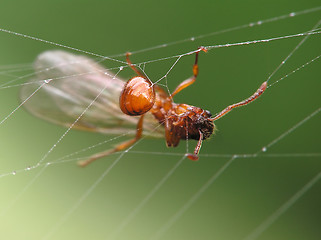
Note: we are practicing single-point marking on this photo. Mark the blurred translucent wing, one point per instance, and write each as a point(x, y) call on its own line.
point(71, 87)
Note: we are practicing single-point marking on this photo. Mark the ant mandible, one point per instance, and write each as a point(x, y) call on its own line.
point(181, 121)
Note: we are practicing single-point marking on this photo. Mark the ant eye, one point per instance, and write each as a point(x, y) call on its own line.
point(208, 113)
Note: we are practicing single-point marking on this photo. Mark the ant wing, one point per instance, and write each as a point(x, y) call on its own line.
point(73, 90)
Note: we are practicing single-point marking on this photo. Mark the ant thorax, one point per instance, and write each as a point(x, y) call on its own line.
point(182, 121)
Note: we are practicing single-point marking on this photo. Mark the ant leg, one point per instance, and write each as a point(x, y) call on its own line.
point(120, 147)
point(139, 73)
point(194, 156)
point(192, 79)
point(258, 93)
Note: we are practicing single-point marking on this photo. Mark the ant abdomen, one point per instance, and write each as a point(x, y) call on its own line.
point(137, 97)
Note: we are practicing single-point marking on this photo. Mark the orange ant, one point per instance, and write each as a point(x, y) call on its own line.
point(181, 121)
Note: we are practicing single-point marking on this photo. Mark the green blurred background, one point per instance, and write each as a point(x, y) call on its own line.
point(42, 201)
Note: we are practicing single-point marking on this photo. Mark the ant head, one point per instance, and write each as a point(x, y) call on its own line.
point(200, 120)
point(206, 125)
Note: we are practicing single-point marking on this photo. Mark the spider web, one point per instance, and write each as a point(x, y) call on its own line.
point(259, 175)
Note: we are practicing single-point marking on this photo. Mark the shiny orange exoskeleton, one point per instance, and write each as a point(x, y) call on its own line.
point(91, 98)
point(137, 97)
point(181, 121)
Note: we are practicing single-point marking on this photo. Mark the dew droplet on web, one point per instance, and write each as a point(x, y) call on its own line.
point(14, 173)
point(192, 38)
point(292, 14)
point(264, 149)
point(28, 168)
point(121, 68)
point(47, 80)
point(251, 24)
point(259, 22)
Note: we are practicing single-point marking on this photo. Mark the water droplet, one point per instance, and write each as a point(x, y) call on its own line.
point(164, 45)
point(192, 38)
point(28, 168)
point(48, 163)
point(264, 149)
point(292, 14)
point(259, 22)
point(14, 173)
point(251, 24)
point(121, 68)
point(47, 80)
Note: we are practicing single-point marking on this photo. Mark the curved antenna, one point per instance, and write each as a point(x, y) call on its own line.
point(258, 93)
point(194, 156)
